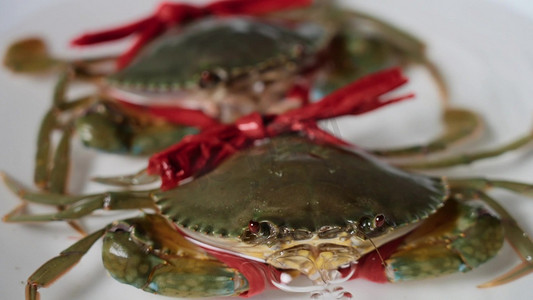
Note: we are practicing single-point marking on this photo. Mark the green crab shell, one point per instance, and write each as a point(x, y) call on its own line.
point(226, 47)
point(298, 185)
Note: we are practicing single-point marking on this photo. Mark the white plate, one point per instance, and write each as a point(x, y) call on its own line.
point(484, 50)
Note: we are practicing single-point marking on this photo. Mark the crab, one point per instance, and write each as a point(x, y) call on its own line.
point(284, 198)
point(274, 56)
point(277, 57)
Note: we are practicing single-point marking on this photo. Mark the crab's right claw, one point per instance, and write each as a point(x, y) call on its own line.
point(29, 56)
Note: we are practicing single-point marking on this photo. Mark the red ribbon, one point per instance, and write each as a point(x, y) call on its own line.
point(169, 15)
point(197, 154)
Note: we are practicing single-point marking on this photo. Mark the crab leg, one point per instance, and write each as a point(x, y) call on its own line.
point(61, 164)
point(76, 206)
point(460, 124)
point(515, 235)
point(38, 197)
point(139, 178)
point(107, 201)
point(485, 184)
point(45, 168)
point(412, 47)
point(41, 171)
point(464, 159)
point(518, 238)
point(48, 124)
point(52, 175)
point(57, 266)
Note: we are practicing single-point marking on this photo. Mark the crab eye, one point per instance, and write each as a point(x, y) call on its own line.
point(365, 224)
point(254, 227)
point(208, 79)
point(379, 220)
point(368, 224)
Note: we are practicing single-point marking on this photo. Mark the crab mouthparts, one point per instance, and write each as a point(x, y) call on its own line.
point(320, 263)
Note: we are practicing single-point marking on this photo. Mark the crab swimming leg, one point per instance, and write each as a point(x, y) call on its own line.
point(31, 56)
point(459, 125)
point(516, 236)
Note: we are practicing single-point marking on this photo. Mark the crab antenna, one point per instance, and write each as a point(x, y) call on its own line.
point(383, 263)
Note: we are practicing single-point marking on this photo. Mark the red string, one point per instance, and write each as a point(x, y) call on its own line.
point(174, 114)
point(170, 14)
point(197, 154)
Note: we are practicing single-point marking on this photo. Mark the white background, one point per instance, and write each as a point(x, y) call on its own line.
point(484, 48)
point(13, 10)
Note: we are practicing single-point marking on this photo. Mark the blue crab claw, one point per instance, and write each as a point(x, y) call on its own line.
point(148, 253)
point(516, 236)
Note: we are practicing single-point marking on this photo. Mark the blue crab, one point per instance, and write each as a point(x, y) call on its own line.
point(192, 66)
point(290, 205)
point(330, 224)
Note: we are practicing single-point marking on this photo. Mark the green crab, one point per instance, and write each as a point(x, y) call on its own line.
point(298, 207)
point(231, 66)
point(293, 200)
